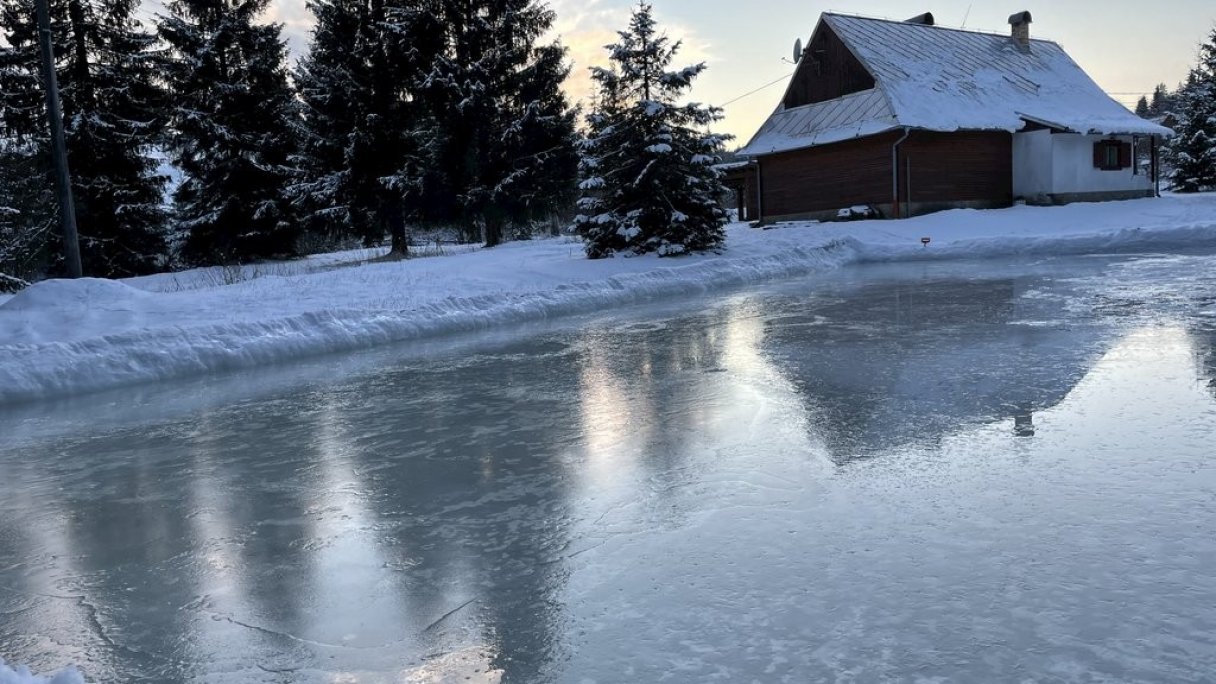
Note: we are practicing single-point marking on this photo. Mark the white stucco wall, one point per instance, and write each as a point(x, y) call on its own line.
point(1032, 164)
point(1072, 168)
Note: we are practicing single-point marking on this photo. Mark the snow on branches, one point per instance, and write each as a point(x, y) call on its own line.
point(1192, 154)
point(648, 177)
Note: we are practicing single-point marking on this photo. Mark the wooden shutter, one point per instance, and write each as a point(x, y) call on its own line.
point(1125, 155)
point(1100, 154)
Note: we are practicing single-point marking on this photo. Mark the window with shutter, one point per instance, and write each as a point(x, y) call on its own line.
point(1112, 155)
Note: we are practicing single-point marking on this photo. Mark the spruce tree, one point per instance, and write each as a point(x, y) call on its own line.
point(107, 66)
point(233, 121)
point(27, 213)
point(500, 127)
point(362, 120)
point(648, 171)
point(1161, 102)
point(327, 83)
point(1192, 153)
point(1142, 109)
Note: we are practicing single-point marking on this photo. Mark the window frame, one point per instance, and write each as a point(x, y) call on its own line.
point(1113, 155)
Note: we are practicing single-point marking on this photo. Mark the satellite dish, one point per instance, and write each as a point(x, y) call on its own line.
point(797, 50)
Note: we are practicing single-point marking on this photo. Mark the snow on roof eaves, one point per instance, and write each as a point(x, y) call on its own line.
point(731, 166)
point(852, 116)
point(942, 79)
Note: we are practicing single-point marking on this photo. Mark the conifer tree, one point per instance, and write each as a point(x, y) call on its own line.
point(27, 213)
point(233, 121)
point(107, 66)
point(1162, 101)
point(1142, 109)
point(361, 125)
point(326, 81)
point(1192, 153)
point(500, 127)
point(648, 171)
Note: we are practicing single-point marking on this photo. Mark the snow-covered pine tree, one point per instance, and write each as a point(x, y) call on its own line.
point(361, 118)
point(27, 213)
point(233, 120)
point(113, 112)
point(1161, 102)
point(1192, 153)
point(649, 180)
point(501, 128)
point(327, 80)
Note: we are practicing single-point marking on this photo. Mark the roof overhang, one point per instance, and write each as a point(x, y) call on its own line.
point(1149, 129)
point(1055, 127)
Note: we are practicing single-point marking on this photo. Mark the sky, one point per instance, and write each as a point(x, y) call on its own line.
point(1127, 46)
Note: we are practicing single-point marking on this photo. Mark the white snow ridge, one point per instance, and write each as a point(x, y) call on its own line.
point(59, 338)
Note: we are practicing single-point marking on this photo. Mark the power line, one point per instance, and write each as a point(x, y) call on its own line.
point(753, 92)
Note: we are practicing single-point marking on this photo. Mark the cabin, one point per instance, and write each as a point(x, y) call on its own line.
point(906, 118)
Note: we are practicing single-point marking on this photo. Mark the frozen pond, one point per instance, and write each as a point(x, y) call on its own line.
point(933, 472)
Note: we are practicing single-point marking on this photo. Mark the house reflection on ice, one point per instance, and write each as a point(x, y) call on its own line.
point(1023, 425)
point(902, 363)
point(1205, 351)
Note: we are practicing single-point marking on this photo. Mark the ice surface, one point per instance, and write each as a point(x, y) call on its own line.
point(954, 471)
point(22, 675)
point(61, 338)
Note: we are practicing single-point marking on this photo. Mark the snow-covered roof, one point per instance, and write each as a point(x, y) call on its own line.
point(851, 116)
point(942, 79)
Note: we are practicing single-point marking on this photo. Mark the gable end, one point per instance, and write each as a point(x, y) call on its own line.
point(828, 70)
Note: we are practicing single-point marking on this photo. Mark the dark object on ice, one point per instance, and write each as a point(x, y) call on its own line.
point(1023, 426)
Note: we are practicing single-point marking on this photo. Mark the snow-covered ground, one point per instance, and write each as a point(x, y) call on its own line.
point(62, 337)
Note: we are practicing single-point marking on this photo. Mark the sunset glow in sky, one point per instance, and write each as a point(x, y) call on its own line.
point(1127, 46)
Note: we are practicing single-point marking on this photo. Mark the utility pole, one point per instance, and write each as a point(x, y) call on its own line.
point(59, 148)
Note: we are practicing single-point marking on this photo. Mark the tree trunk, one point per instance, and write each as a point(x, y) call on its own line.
point(493, 228)
point(395, 218)
point(80, 57)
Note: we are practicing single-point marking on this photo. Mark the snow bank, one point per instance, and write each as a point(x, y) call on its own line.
point(22, 675)
point(60, 338)
point(75, 295)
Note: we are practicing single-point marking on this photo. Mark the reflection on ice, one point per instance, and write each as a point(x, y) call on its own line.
point(1023, 425)
point(911, 362)
point(467, 666)
point(962, 474)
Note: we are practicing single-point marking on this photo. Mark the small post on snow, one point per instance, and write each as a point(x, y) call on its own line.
point(54, 115)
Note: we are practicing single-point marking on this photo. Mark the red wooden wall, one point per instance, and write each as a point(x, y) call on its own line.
point(943, 168)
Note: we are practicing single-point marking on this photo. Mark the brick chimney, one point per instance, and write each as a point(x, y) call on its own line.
point(1021, 28)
